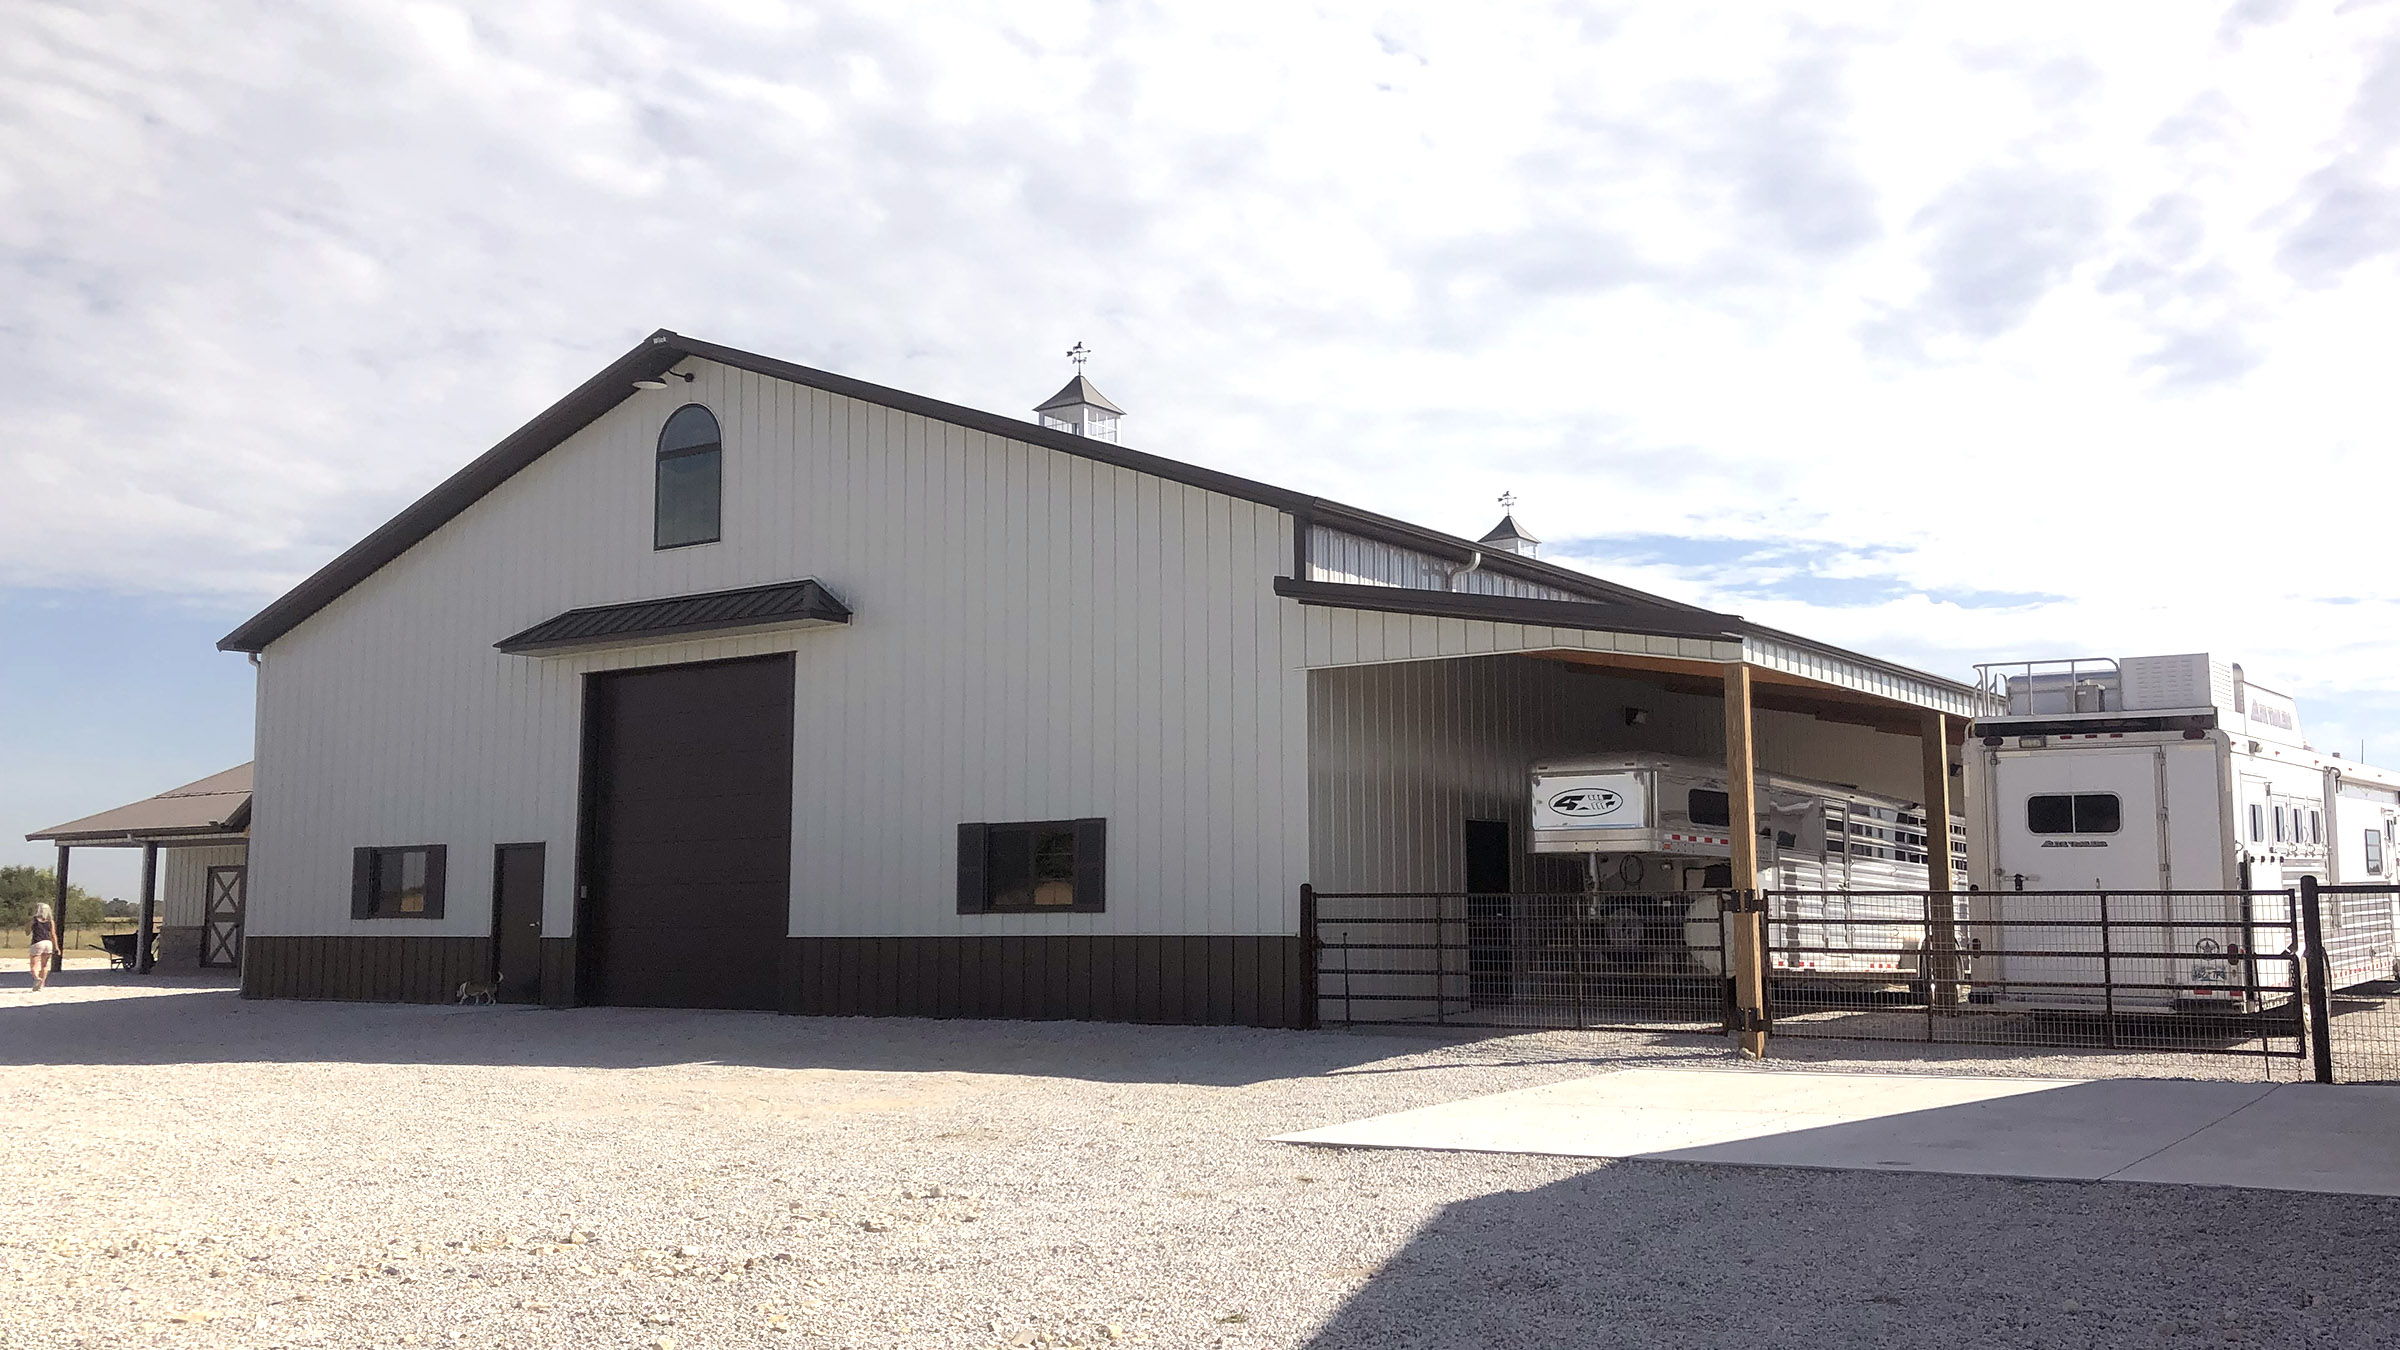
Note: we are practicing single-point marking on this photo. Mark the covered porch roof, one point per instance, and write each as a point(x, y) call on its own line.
point(1674, 646)
point(216, 809)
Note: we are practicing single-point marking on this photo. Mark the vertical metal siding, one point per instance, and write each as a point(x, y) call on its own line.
point(1350, 637)
point(1036, 636)
point(1338, 556)
point(1402, 754)
point(183, 881)
point(1885, 682)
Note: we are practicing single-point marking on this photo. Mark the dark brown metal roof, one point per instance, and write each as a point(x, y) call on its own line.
point(655, 355)
point(1079, 390)
point(660, 352)
point(1506, 530)
point(663, 349)
point(217, 804)
point(783, 602)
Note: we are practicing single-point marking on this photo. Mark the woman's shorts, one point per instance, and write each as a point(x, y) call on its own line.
point(43, 948)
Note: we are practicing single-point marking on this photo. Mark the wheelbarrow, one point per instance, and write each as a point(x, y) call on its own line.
point(119, 947)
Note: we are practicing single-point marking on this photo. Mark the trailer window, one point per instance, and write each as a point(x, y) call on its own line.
point(2050, 813)
point(2279, 824)
point(2258, 823)
point(2374, 852)
point(2316, 827)
point(2076, 813)
point(1708, 808)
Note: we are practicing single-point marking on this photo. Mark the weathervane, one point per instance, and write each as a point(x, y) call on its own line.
point(1508, 501)
point(1079, 354)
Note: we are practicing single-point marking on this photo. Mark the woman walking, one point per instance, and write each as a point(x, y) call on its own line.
point(45, 945)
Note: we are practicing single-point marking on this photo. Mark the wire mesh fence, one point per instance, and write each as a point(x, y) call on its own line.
point(2139, 972)
point(2360, 1011)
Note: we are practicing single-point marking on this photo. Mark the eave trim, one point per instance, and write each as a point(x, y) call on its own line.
point(1644, 620)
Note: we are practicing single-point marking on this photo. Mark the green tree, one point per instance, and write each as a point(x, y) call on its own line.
point(21, 888)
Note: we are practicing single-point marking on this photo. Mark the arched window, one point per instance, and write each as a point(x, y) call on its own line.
point(691, 479)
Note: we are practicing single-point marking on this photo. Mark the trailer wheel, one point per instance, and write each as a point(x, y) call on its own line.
point(1628, 933)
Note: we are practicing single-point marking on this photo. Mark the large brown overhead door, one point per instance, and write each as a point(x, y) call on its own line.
point(689, 776)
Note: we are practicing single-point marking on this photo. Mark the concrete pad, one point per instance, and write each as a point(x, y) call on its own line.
point(1639, 1112)
point(2085, 1131)
point(2051, 1129)
point(2302, 1137)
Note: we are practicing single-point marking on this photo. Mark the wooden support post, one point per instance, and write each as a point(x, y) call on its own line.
point(143, 956)
point(1748, 925)
point(58, 918)
point(1940, 956)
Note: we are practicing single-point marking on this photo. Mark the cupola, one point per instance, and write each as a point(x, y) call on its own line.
point(1508, 536)
point(1081, 409)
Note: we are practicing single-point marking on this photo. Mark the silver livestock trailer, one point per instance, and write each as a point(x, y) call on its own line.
point(1847, 867)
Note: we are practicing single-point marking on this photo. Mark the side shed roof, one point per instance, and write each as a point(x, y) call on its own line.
point(216, 805)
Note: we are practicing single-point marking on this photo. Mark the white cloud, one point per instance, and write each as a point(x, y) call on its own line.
point(2047, 301)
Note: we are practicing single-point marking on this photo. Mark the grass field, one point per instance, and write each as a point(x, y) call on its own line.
point(82, 944)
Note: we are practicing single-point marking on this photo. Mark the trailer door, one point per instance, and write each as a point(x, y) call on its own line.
point(2197, 851)
point(2084, 820)
point(2079, 820)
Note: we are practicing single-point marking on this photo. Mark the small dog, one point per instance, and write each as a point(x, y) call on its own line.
point(478, 991)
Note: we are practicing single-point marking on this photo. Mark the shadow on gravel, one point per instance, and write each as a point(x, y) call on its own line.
point(151, 1023)
point(1668, 1255)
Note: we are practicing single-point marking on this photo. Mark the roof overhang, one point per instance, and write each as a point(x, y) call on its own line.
point(160, 838)
point(782, 605)
point(1597, 616)
point(1676, 647)
point(216, 809)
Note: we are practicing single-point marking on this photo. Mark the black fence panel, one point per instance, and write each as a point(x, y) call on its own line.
point(2183, 972)
point(2355, 1025)
point(1574, 960)
point(2143, 972)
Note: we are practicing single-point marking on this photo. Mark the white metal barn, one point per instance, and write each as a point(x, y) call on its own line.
point(727, 682)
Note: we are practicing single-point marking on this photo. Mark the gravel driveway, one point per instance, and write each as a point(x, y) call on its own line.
point(193, 1170)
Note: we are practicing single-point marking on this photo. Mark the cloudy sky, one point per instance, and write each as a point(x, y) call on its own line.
point(1952, 333)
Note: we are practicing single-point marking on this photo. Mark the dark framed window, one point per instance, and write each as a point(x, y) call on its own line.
point(2279, 836)
point(2258, 823)
point(407, 882)
point(2074, 813)
point(1707, 807)
point(691, 480)
point(1033, 867)
point(2316, 827)
point(2374, 852)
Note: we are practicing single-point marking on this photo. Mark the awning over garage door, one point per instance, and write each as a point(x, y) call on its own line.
point(784, 604)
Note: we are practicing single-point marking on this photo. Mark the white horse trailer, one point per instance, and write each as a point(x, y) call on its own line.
point(2174, 791)
point(1653, 831)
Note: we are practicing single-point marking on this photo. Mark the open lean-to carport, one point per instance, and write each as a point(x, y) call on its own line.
point(204, 829)
point(1427, 706)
